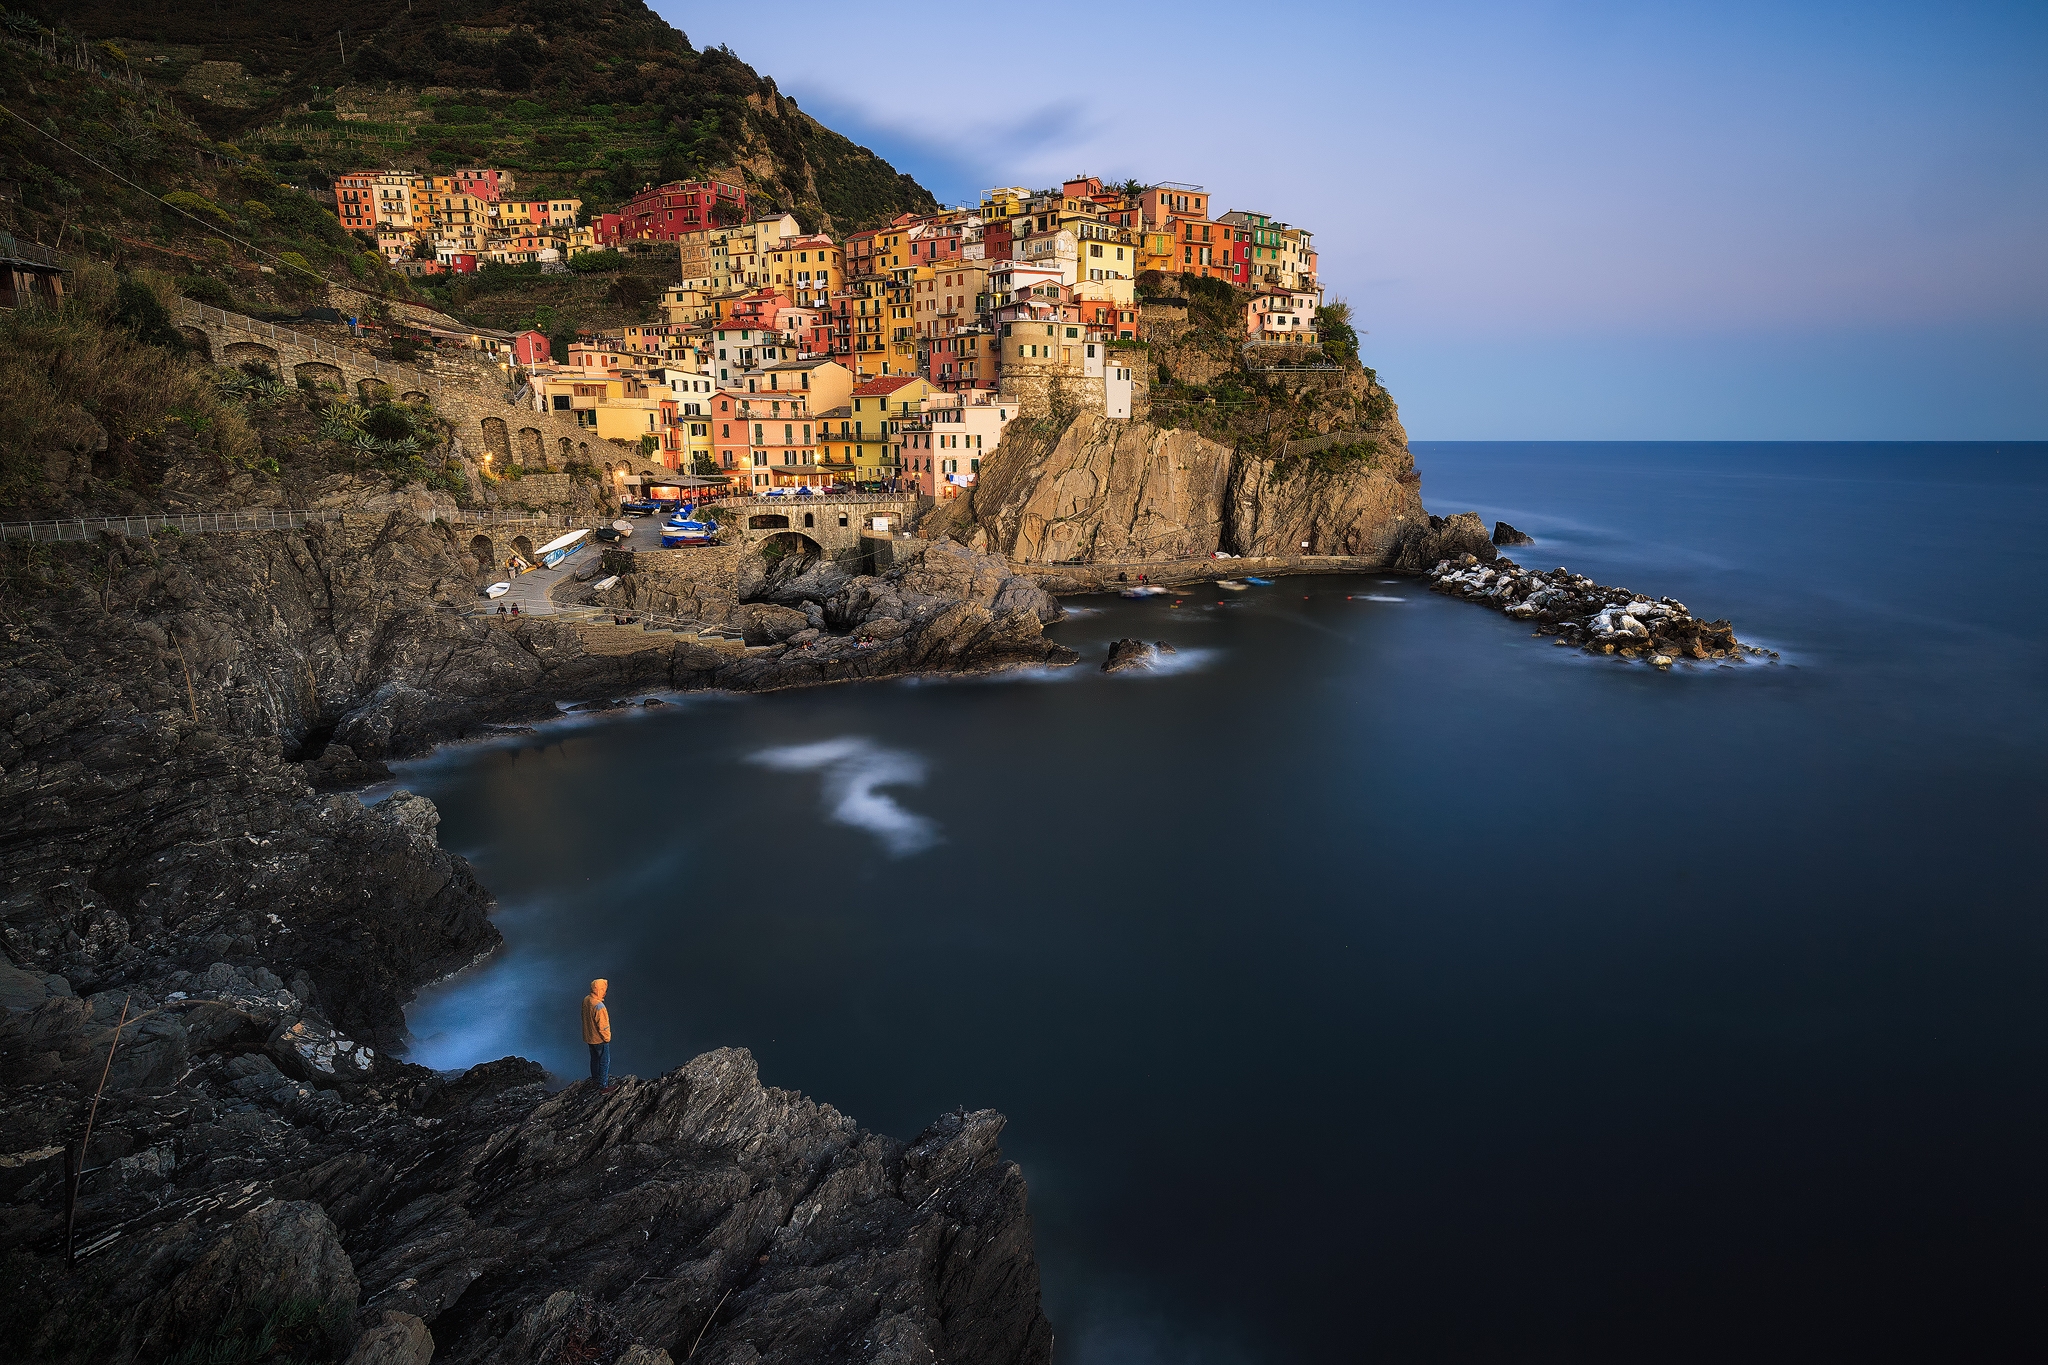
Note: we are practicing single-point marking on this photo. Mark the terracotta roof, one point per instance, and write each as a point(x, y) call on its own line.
point(885, 384)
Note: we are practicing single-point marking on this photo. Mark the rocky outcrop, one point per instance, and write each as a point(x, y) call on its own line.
point(1441, 538)
point(483, 1219)
point(1603, 619)
point(1106, 491)
point(1103, 491)
point(170, 705)
point(1128, 654)
point(1504, 534)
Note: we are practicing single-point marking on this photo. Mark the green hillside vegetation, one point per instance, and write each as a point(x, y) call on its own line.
point(137, 183)
point(586, 97)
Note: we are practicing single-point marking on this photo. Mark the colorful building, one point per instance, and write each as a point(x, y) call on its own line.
point(663, 213)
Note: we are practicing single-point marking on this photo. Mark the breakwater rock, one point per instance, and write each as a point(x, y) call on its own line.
point(1578, 611)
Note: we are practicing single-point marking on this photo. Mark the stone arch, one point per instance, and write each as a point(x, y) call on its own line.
point(486, 553)
point(531, 451)
point(497, 441)
point(242, 352)
point(789, 553)
point(316, 373)
point(373, 391)
point(583, 452)
point(199, 339)
point(566, 458)
point(768, 521)
point(415, 396)
point(524, 546)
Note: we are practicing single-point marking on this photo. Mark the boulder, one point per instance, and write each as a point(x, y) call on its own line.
point(764, 623)
point(1444, 538)
point(416, 815)
point(399, 1339)
point(1126, 654)
point(1019, 593)
point(282, 1252)
point(1504, 534)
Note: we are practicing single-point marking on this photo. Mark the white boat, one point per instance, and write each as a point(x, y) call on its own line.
point(497, 589)
point(1231, 585)
point(560, 548)
point(1144, 590)
point(623, 527)
point(601, 584)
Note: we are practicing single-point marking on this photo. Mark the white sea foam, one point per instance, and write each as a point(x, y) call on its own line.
point(1180, 661)
point(855, 770)
point(1382, 597)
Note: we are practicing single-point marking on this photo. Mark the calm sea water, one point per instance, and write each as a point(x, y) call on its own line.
point(1379, 982)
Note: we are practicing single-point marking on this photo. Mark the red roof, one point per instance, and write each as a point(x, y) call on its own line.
point(885, 385)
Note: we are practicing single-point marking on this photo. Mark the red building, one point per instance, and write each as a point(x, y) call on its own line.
point(482, 183)
point(663, 213)
point(997, 239)
point(531, 348)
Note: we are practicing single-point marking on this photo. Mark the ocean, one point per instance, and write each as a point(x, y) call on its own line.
point(1376, 981)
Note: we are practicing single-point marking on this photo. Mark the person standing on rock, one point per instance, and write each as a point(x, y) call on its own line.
point(597, 1031)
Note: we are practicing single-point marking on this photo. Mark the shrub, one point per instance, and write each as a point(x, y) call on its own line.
point(597, 262)
point(199, 206)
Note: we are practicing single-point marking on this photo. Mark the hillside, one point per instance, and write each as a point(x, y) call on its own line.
point(585, 97)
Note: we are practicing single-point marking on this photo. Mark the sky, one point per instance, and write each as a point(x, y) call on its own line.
point(1592, 221)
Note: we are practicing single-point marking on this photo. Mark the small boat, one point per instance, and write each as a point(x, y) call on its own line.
point(497, 589)
point(608, 581)
point(682, 529)
point(1262, 582)
point(638, 507)
point(560, 548)
point(1144, 590)
point(1230, 585)
point(623, 527)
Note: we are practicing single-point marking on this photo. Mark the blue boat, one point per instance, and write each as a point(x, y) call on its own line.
point(1262, 582)
point(681, 529)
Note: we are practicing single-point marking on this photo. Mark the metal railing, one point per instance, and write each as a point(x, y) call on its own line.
point(267, 519)
point(842, 499)
point(190, 523)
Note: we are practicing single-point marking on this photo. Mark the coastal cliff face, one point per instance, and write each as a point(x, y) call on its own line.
point(174, 707)
point(1103, 491)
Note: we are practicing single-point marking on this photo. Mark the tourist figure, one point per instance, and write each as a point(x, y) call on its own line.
point(597, 1031)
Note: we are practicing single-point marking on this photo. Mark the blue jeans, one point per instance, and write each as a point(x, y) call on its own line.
point(601, 1063)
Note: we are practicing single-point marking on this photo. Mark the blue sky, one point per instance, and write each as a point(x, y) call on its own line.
point(1592, 221)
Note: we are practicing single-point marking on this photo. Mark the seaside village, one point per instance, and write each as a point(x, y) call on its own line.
point(890, 360)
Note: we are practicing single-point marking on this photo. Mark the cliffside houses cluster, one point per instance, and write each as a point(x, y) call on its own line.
point(894, 357)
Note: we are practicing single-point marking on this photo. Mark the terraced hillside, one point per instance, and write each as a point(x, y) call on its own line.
point(585, 97)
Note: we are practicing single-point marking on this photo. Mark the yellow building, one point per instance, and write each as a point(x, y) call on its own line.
point(881, 408)
point(612, 407)
point(808, 270)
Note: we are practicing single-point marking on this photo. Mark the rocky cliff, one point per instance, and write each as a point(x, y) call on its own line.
point(1099, 491)
point(259, 1164)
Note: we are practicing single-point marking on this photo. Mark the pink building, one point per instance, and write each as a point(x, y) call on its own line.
point(482, 182)
point(808, 327)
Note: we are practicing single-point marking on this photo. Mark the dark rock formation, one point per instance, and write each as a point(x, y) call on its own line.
point(1443, 538)
point(162, 851)
point(1577, 610)
point(510, 1224)
point(1504, 534)
point(1127, 654)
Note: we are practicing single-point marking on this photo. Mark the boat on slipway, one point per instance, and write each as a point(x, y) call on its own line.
point(560, 548)
point(684, 529)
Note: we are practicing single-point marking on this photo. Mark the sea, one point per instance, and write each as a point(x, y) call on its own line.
point(1374, 980)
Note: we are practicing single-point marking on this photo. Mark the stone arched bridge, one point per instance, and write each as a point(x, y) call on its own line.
point(490, 408)
point(832, 524)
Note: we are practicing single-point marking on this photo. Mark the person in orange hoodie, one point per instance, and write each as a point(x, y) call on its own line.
point(597, 1031)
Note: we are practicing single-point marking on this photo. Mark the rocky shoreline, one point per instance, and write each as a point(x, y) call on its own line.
point(1600, 619)
point(176, 865)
